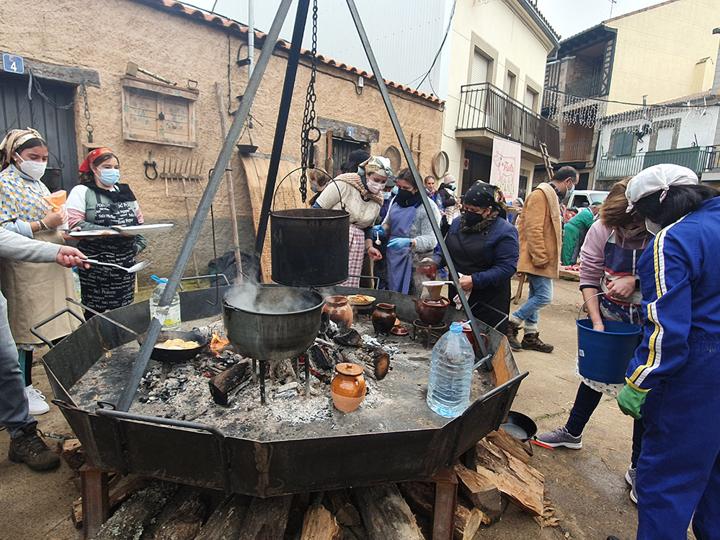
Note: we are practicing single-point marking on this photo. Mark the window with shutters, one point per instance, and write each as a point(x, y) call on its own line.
point(622, 143)
point(158, 113)
point(510, 83)
point(481, 67)
point(531, 99)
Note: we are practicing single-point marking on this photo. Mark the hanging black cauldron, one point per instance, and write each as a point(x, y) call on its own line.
point(309, 246)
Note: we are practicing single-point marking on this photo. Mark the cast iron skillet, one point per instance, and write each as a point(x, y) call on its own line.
point(174, 356)
point(519, 426)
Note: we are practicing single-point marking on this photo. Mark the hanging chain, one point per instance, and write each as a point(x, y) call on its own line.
point(86, 112)
point(310, 133)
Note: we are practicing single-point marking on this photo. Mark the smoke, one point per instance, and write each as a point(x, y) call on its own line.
point(251, 296)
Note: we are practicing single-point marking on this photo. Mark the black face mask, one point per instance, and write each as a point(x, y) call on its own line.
point(470, 219)
point(406, 198)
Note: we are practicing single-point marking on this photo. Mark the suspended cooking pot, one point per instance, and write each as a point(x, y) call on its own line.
point(309, 246)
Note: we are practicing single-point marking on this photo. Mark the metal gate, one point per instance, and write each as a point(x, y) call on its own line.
point(52, 114)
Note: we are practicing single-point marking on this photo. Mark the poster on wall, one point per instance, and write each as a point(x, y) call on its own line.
point(505, 168)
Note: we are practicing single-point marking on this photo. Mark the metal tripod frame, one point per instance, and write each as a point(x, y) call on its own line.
point(225, 155)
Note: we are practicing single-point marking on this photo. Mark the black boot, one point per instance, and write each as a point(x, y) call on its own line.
point(532, 342)
point(30, 449)
point(512, 335)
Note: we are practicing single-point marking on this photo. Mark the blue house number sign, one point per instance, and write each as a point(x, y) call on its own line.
point(13, 64)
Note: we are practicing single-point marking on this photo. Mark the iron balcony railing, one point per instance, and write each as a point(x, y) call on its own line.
point(697, 158)
point(483, 106)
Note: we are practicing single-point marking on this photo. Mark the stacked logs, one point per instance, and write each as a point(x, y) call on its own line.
point(495, 475)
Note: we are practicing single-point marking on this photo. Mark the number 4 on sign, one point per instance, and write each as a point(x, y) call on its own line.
point(13, 64)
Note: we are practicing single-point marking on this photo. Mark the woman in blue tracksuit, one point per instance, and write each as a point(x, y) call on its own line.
point(672, 381)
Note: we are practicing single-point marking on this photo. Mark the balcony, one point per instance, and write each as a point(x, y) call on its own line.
point(697, 158)
point(577, 150)
point(485, 107)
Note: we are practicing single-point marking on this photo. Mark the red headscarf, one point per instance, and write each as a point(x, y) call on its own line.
point(92, 156)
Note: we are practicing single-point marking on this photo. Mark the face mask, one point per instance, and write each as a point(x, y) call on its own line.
point(394, 191)
point(109, 177)
point(470, 218)
point(387, 195)
point(34, 169)
point(652, 227)
point(406, 198)
point(314, 188)
point(568, 194)
point(375, 187)
point(451, 187)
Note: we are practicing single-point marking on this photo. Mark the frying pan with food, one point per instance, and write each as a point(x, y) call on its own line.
point(175, 355)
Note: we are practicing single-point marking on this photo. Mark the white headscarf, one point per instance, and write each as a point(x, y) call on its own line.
point(658, 178)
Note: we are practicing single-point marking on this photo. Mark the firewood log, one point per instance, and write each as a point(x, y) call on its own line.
point(386, 514)
point(181, 518)
point(319, 524)
point(510, 445)
point(482, 491)
point(120, 488)
point(266, 518)
point(136, 514)
point(421, 498)
point(71, 451)
point(224, 383)
point(227, 520)
point(343, 508)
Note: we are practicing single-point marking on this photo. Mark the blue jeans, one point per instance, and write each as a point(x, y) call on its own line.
point(541, 293)
point(14, 413)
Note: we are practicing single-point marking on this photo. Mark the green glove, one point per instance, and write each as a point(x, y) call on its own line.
point(631, 401)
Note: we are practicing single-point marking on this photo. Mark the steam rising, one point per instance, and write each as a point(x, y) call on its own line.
point(250, 296)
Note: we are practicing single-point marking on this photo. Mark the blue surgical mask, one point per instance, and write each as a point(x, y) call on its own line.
point(109, 177)
point(387, 195)
point(394, 190)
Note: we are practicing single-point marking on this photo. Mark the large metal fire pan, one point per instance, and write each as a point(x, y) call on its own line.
point(200, 455)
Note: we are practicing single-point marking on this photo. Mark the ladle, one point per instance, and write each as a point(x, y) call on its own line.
point(132, 270)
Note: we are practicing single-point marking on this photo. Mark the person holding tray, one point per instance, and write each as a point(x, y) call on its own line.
point(99, 203)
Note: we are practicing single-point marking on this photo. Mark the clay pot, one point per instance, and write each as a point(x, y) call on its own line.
point(432, 312)
point(467, 330)
point(348, 387)
point(383, 318)
point(339, 310)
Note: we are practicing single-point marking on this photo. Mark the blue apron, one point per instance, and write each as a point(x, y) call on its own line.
point(399, 261)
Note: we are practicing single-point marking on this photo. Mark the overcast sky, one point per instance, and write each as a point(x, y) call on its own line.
point(568, 17)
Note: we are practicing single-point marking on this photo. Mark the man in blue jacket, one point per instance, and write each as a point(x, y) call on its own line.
point(672, 381)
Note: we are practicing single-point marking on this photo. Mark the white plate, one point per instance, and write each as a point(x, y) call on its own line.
point(139, 229)
point(89, 234)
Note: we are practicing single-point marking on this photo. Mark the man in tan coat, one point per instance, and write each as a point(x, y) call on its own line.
point(540, 231)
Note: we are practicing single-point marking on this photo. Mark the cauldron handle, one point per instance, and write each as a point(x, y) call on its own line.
point(342, 204)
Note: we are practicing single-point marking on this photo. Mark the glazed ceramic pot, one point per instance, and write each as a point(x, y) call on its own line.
point(467, 330)
point(432, 312)
point(348, 387)
point(383, 318)
point(339, 310)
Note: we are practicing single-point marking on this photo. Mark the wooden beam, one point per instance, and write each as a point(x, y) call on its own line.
point(445, 503)
point(65, 74)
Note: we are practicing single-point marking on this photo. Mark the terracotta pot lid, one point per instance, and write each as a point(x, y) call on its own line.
point(383, 305)
point(346, 368)
point(337, 299)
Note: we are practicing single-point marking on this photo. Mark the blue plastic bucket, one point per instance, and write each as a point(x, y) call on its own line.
point(604, 356)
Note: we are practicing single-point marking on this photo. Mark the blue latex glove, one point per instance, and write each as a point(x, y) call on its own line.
point(631, 401)
point(398, 243)
point(378, 231)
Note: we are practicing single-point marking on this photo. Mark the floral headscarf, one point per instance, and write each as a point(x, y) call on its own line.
point(13, 140)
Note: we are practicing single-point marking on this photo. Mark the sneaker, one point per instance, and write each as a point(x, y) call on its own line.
point(512, 335)
point(30, 449)
point(532, 342)
point(630, 478)
point(561, 437)
point(36, 401)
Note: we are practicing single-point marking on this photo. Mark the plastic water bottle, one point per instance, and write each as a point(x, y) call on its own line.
point(171, 320)
point(77, 288)
point(451, 371)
